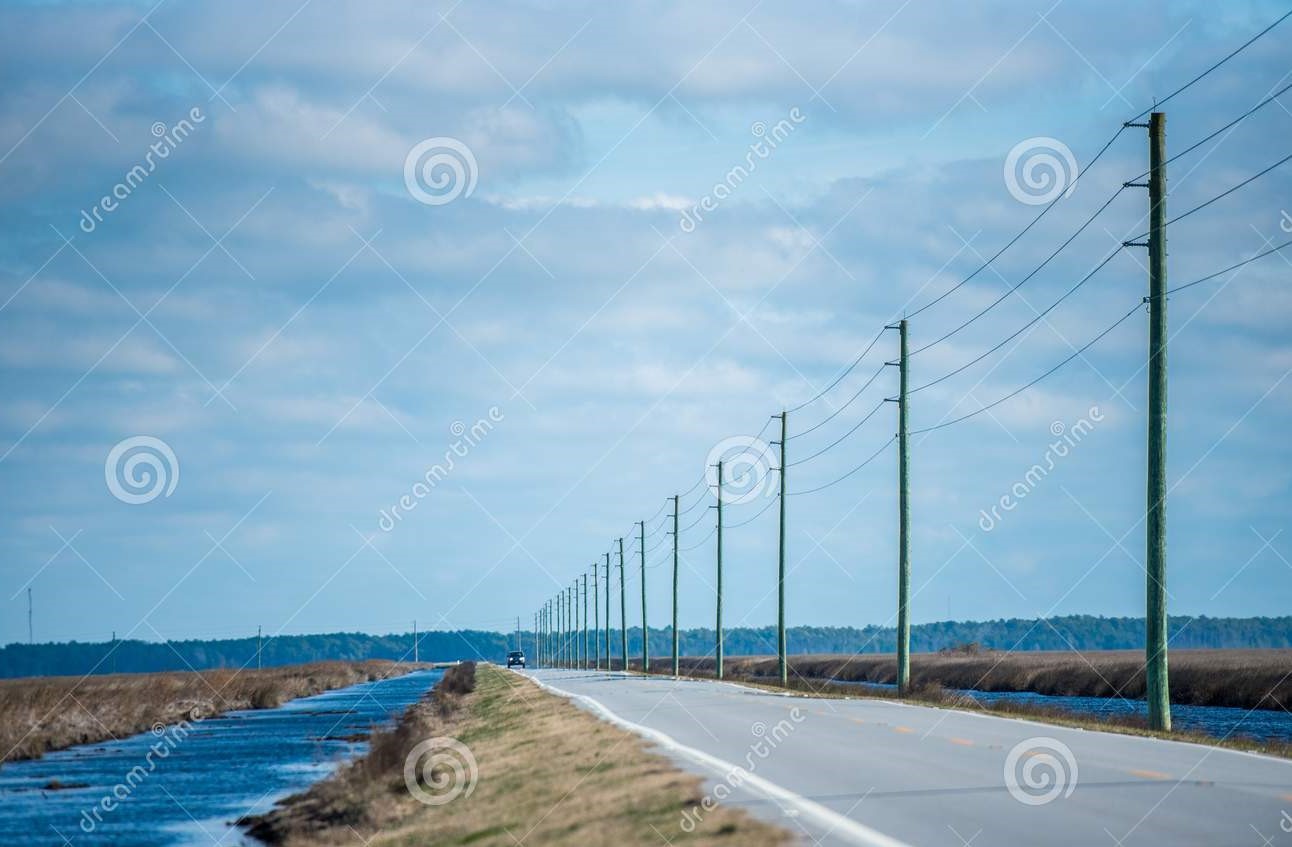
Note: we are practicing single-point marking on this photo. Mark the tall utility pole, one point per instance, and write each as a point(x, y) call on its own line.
point(587, 655)
point(572, 597)
point(781, 665)
point(675, 662)
point(718, 652)
point(1159, 692)
point(641, 544)
point(596, 620)
point(538, 650)
point(903, 525)
point(608, 663)
point(623, 607)
point(560, 630)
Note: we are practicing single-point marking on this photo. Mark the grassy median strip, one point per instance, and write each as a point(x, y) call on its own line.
point(41, 714)
point(537, 771)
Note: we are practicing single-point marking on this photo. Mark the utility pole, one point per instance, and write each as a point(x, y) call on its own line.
point(259, 644)
point(537, 649)
point(675, 662)
point(416, 655)
point(587, 655)
point(596, 620)
point(560, 630)
point(1159, 690)
point(574, 624)
point(903, 526)
point(623, 607)
point(781, 665)
point(608, 663)
point(641, 544)
point(718, 652)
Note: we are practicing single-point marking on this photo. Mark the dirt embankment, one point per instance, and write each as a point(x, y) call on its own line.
point(40, 714)
point(490, 759)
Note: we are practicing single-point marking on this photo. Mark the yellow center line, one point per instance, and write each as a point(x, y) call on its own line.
point(963, 742)
point(1150, 774)
point(903, 729)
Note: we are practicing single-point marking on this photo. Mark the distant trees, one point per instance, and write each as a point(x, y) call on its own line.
point(1083, 632)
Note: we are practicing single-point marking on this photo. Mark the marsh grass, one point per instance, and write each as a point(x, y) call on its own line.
point(549, 773)
point(40, 714)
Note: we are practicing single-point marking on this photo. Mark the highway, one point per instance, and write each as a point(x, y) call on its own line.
point(876, 772)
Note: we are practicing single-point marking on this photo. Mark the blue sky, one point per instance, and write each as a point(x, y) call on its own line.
point(274, 305)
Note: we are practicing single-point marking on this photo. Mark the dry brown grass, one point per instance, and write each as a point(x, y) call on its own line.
point(549, 774)
point(39, 714)
point(1248, 679)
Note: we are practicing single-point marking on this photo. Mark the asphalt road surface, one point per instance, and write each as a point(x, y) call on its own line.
point(875, 772)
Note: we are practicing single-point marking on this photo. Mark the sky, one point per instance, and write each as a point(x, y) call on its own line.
point(322, 316)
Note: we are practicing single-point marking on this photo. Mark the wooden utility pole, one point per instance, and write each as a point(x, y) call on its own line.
point(1159, 692)
point(587, 655)
point(675, 657)
point(719, 621)
point(903, 526)
point(641, 553)
point(782, 666)
point(608, 661)
point(596, 620)
point(623, 607)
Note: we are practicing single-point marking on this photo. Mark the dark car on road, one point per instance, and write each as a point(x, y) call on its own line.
point(516, 658)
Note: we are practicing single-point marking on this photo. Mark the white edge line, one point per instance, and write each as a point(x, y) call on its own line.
point(832, 821)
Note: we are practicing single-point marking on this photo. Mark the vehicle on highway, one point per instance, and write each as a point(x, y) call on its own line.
point(516, 658)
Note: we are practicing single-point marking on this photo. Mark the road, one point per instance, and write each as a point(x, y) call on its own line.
point(876, 772)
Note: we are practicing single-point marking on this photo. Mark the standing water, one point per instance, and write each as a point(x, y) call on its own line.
point(185, 784)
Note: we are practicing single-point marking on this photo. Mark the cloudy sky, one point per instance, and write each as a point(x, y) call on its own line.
point(229, 257)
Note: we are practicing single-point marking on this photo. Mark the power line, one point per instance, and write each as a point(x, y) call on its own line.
point(1248, 43)
point(700, 543)
point(1016, 392)
point(1220, 196)
point(835, 443)
point(694, 523)
point(869, 459)
point(1233, 267)
point(771, 501)
point(840, 377)
point(1021, 329)
point(1021, 282)
point(833, 414)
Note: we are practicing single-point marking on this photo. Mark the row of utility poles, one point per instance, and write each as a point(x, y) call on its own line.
point(557, 623)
